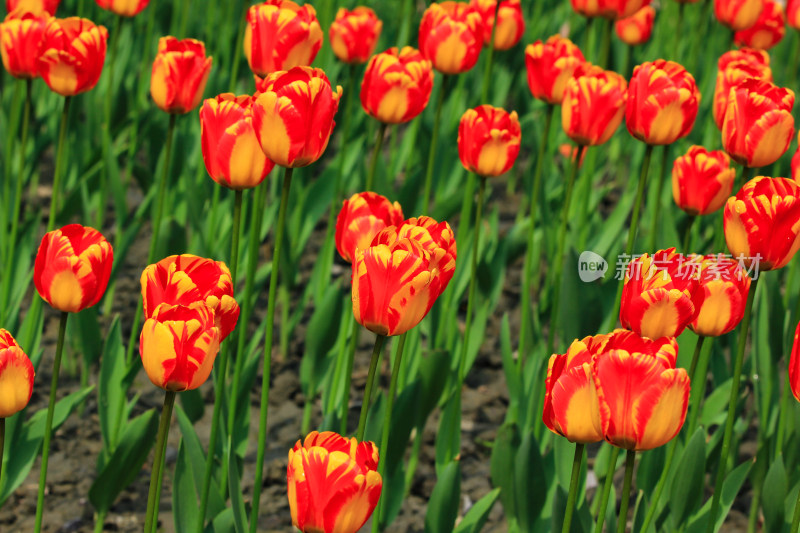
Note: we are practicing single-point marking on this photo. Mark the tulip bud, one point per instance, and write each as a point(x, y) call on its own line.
point(702, 181)
point(636, 29)
point(332, 483)
point(281, 35)
point(293, 115)
point(180, 73)
point(793, 14)
point(550, 66)
point(123, 8)
point(510, 22)
point(21, 39)
point(662, 102)
point(451, 36)
point(762, 223)
point(738, 14)
point(768, 30)
point(362, 217)
point(354, 34)
point(488, 140)
point(16, 376)
point(735, 67)
point(593, 106)
point(721, 297)
point(397, 86)
point(33, 7)
point(570, 152)
point(231, 150)
point(72, 267)
point(657, 295)
point(758, 126)
point(72, 55)
point(186, 279)
point(178, 346)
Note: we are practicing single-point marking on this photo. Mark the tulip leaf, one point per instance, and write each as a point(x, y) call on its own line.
point(235, 489)
point(184, 498)
point(502, 466)
point(323, 332)
point(650, 468)
point(445, 498)
point(773, 495)
point(510, 369)
point(528, 482)
point(730, 488)
point(687, 485)
point(110, 390)
point(126, 461)
point(477, 515)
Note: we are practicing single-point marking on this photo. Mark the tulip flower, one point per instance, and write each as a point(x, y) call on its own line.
point(34, 7)
point(451, 36)
point(768, 30)
point(281, 35)
point(796, 166)
point(21, 39)
point(231, 150)
point(488, 140)
point(362, 217)
point(735, 67)
point(570, 153)
point(738, 14)
point(185, 279)
point(702, 181)
point(636, 29)
point(758, 126)
point(721, 297)
point(550, 66)
point(762, 222)
point(16, 377)
point(794, 365)
point(510, 22)
point(72, 268)
point(657, 295)
point(293, 115)
point(332, 483)
point(610, 9)
point(793, 14)
point(593, 105)
point(123, 8)
point(180, 73)
point(397, 85)
point(354, 34)
point(662, 102)
point(72, 54)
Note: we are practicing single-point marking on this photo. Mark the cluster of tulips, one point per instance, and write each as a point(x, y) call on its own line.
point(622, 387)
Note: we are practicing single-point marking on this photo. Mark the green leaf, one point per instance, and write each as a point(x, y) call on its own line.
point(478, 514)
point(126, 461)
point(502, 466)
point(687, 486)
point(110, 390)
point(773, 494)
point(445, 499)
point(730, 488)
point(235, 489)
point(184, 498)
point(528, 482)
point(321, 338)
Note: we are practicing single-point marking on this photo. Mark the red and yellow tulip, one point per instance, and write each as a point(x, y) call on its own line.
point(231, 150)
point(124, 8)
point(735, 67)
point(281, 35)
point(34, 7)
point(550, 66)
point(636, 29)
point(72, 267)
point(488, 140)
point(180, 73)
point(768, 30)
point(593, 105)
point(721, 297)
point(362, 217)
point(794, 365)
point(397, 85)
point(738, 14)
point(451, 36)
point(796, 166)
point(16, 376)
point(21, 39)
point(332, 483)
point(510, 22)
point(72, 55)
point(762, 222)
point(793, 14)
point(354, 34)
point(611, 9)
point(702, 181)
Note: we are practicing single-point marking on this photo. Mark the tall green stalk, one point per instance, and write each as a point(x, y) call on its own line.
point(109, 97)
point(48, 427)
point(373, 367)
point(348, 376)
point(487, 73)
point(687, 234)
point(698, 381)
point(62, 135)
point(426, 194)
point(609, 481)
point(237, 49)
point(473, 275)
point(562, 237)
point(573, 488)
point(605, 44)
point(659, 190)
point(268, 334)
point(722, 469)
point(370, 183)
point(622, 521)
point(151, 519)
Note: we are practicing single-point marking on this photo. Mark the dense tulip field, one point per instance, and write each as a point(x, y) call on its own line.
point(432, 284)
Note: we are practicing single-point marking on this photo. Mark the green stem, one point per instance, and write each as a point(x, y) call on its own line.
point(530, 259)
point(377, 521)
point(235, 57)
point(701, 339)
point(462, 365)
point(626, 69)
point(348, 376)
point(99, 521)
point(268, 334)
point(796, 517)
point(375, 156)
point(487, 73)
point(373, 367)
point(728, 435)
point(162, 191)
point(630, 458)
point(562, 237)
point(62, 135)
point(698, 381)
point(637, 206)
point(573, 488)
point(607, 484)
point(107, 141)
point(426, 195)
point(687, 235)
point(605, 45)
point(782, 414)
point(151, 519)
point(657, 208)
point(48, 427)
